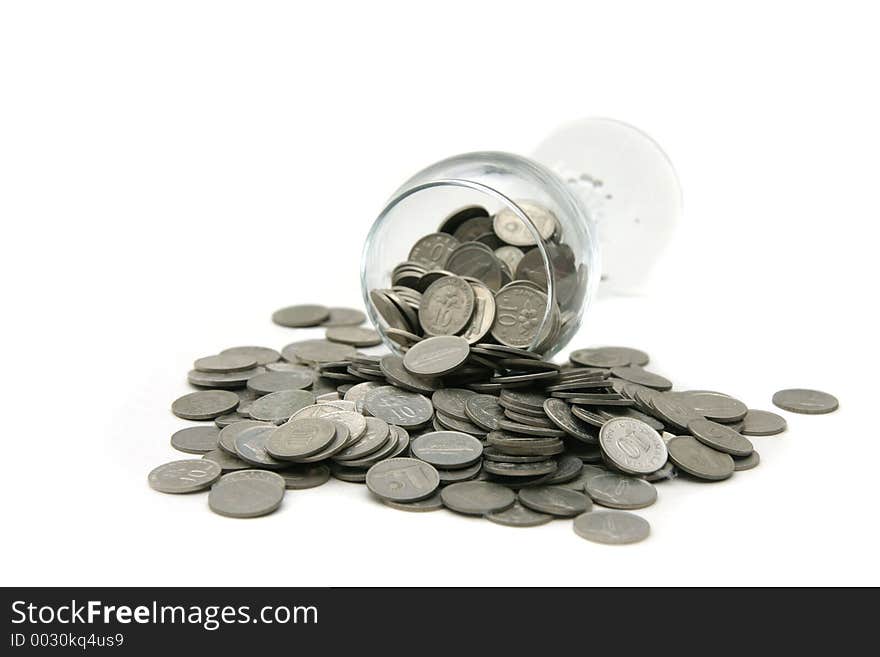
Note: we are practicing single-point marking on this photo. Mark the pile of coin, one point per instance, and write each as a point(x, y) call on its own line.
point(485, 278)
point(480, 428)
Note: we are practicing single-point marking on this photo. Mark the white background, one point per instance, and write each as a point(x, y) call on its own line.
point(172, 172)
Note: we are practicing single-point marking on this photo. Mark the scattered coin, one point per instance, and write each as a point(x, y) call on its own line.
point(746, 462)
point(377, 434)
point(635, 374)
point(227, 462)
point(263, 355)
point(519, 516)
point(269, 382)
point(354, 336)
point(432, 503)
point(621, 491)
point(278, 406)
point(247, 494)
point(301, 477)
point(762, 423)
point(632, 446)
point(301, 316)
point(318, 351)
point(204, 405)
point(196, 440)
point(555, 500)
point(447, 306)
point(477, 497)
point(251, 447)
point(402, 480)
point(447, 449)
point(513, 230)
point(695, 458)
point(223, 380)
point(714, 405)
point(437, 356)
point(611, 527)
point(344, 317)
point(297, 439)
point(225, 363)
point(187, 476)
point(395, 406)
point(809, 402)
point(720, 437)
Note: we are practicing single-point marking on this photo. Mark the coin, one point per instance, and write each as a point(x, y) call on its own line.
point(389, 312)
point(392, 366)
point(376, 435)
point(355, 336)
point(746, 462)
point(278, 406)
point(809, 402)
point(432, 503)
point(673, 410)
point(612, 527)
point(402, 480)
point(447, 449)
point(714, 405)
point(568, 467)
point(457, 218)
point(247, 494)
point(354, 422)
point(720, 437)
point(436, 356)
point(405, 409)
point(230, 418)
point(227, 462)
point(519, 516)
point(555, 500)
point(187, 476)
point(447, 306)
point(263, 355)
point(318, 351)
point(635, 374)
point(228, 434)
point(451, 402)
point(632, 446)
point(513, 230)
point(432, 251)
point(536, 469)
point(250, 446)
point(301, 477)
point(195, 440)
point(477, 497)
point(762, 423)
point(225, 363)
point(300, 438)
point(451, 476)
point(475, 260)
point(484, 411)
point(344, 317)
point(222, 379)
point(519, 315)
point(301, 316)
point(510, 256)
point(204, 405)
point(341, 440)
point(269, 382)
point(698, 460)
point(560, 414)
point(621, 491)
point(484, 313)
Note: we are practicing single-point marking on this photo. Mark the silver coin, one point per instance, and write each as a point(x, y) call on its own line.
point(375, 437)
point(519, 516)
point(250, 446)
point(351, 475)
point(454, 424)
point(762, 423)
point(268, 382)
point(555, 500)
point(247, 494)
point(205, 404)
point(632, 446)
point(673, 410)
point(668, 471)
point(454, 221)
point(598, 358)
point(230, 418)
point(484, 313)
point(437, 356)
point(484, 411)
point(477, 497)
point(392, 366)
point(225, 363)
point(516, 427)
point(476, 261)
point(405, 409)
point(389, 312)
point(222, 379)
point(357, 393)
point(612, 527)
point(195, 440)
point(695, 458)
point(341, 440)
point(263, 355)
point(560, 414)
point(451, 401)
point(402, 480)
point(187, 476)
point(447, 449)
point(568, 467)
point(354, 421)
point(536, 469)
point(344, 317)
point(297, 439)
point(227, 462)
point(579, 483)
point(432, 503)
point(279, 406)
point(318, 351)
point(301, 477)
point(620, 491)
point(460, 474)
point(720, 437)
point(301, 316)
point(473, 229)
point(635, 374)
point(511, 229)
point(227, 436)
point(809, 402)
point(714, 405)
point(403, 338)
point(447, 306)
point(389, 449)
point(510, 256)
point(746, 462)
point(519, 314)
point(355, 336)
point(432, 251)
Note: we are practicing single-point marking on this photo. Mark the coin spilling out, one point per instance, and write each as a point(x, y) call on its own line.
point(468, 415)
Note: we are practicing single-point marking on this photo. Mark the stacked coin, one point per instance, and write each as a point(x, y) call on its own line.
point(485, 278)
point(478, 428)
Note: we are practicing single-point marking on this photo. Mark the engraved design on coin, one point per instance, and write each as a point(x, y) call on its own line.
point(519, 311)
point(632, 445)
point(447, 306)
point(403, 479)
point(513, 230)
point(433, 250)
